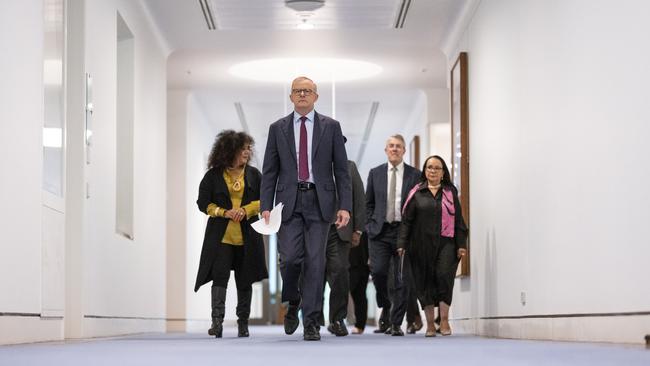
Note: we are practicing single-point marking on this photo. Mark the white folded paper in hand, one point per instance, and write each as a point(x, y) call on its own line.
point(274, 221)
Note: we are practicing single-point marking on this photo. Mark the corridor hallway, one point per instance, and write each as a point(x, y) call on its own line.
point(109, 109)
point(268, 346)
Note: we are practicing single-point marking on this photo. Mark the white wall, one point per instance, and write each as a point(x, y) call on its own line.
point(416, 124)
point(438, 119)
point(21, 126)
point(124, 280)
point(176, 210)
point(559, 169)
point(200, 135)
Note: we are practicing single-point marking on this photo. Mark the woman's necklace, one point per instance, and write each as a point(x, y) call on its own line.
point(434, 188)
point(236, 186)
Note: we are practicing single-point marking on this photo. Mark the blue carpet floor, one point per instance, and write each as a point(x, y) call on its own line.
point(269, 346)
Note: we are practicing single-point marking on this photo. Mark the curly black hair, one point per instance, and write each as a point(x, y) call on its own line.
point(227, 145)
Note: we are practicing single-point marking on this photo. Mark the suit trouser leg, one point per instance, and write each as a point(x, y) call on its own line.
point(301, 243)
point(412, 309)
point(380, 250)
point(358, 284)
point(399, 288)
point(338, 252)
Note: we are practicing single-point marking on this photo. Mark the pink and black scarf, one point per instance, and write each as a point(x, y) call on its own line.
point(448, 209)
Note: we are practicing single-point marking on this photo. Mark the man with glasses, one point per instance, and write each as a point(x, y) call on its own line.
point(305, 166)
point(386, 190)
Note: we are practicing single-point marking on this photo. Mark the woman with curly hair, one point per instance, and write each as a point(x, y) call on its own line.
point(434, 233)
point(230, 195)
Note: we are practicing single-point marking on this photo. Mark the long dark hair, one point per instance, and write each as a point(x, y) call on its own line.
point(446, 177)
point(227, 145)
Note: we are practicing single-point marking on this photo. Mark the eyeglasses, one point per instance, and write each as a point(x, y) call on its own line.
point(434, 168)
point(305, 92)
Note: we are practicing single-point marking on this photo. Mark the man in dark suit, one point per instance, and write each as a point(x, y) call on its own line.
point(338, 253)
point(386, 191)
point(305, 166)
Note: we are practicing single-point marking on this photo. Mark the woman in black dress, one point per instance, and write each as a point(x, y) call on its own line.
point(230, 194)
point(434, 234)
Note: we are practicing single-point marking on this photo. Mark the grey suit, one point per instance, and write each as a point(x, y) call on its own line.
point(307, 214)
point(382, 243)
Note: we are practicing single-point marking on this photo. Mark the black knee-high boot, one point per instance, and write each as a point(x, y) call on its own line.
point(243, 310)
point(218, 311)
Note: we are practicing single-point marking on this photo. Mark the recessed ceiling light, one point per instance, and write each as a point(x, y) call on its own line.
point(318, 69)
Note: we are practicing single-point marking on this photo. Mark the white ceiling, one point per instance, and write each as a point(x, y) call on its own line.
point(334, 14)
point(362, 30)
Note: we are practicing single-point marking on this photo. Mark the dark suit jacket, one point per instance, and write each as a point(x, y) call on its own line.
point(358, 214)
point(377, 191)
point(329, 161)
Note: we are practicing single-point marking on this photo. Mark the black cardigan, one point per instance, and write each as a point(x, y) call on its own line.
point(213, 189)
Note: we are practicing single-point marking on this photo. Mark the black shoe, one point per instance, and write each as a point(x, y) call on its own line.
point(382, 328)
point(410, 328)
point(291, 320)
point(338, 329)
point(417, 324)
point(395, 330)
point(384, 321)
point(311, 334)
point(242, 328)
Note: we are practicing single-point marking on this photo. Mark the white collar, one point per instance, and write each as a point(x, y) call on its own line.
point(399, 166)
point(310, 116)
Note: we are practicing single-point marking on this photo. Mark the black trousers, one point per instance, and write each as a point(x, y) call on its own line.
point(358, 285)
point(337, 275)
point(412, 308)
point(388, 268)
point(359, 272)
point(229, 257)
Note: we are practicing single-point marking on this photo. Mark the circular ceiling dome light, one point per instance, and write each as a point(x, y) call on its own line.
point(304, 5)
point(318, 69)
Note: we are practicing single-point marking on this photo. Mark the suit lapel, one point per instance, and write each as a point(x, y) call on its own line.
point(287, 129)
point(318, 132)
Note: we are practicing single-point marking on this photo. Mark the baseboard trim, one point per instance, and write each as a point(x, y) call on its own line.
point(122, 317)
point(551, 316)
point(36, 315)
point(28, 328)
point(631, 327)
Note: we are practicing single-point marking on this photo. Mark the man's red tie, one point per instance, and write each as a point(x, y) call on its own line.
point(303, 164)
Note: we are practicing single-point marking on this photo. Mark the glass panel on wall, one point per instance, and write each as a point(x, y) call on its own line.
point(53, 142)
point(125, 119)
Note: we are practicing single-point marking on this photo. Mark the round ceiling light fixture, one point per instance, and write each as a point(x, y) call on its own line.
point(304, 5)
point(284, 70)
